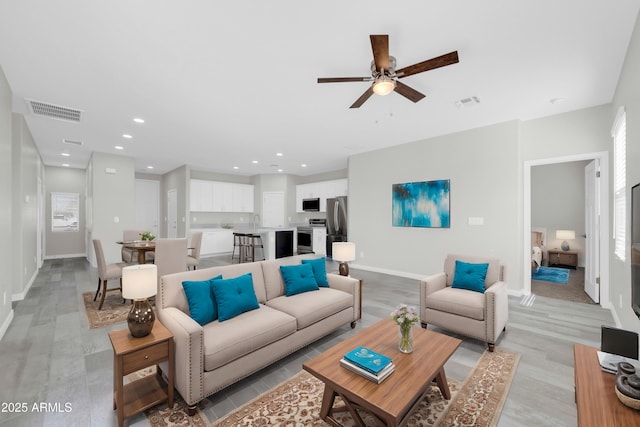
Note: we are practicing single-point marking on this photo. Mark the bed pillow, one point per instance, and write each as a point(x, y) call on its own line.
point(319, 271)
point(470, 276)
point(234, 296)
point(202, 305)
point(298, 279)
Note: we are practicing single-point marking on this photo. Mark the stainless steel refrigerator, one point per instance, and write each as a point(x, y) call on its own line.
point(336, 221)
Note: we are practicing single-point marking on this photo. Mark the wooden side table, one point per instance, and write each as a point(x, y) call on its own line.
point(132, 354)
point(560, 257)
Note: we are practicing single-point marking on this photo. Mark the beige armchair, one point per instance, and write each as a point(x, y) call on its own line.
point(475, 314)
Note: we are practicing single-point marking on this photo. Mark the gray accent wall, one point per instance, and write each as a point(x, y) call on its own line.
point(6, 243)
point(65, 244)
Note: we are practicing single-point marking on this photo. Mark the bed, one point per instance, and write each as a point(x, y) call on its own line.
point(536, 249)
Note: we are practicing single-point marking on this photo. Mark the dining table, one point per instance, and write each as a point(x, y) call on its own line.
point(141, 247)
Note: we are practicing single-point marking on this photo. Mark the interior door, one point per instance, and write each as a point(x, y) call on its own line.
point(172, 213)
point(148, 206)
point(273, 209)
point(592, 230)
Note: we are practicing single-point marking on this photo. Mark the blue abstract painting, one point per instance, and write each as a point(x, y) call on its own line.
point(421, 204)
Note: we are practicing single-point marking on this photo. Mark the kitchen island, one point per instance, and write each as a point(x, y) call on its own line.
point(276, 242)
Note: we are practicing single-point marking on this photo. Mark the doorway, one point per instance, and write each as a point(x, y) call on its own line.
point(599, 203)
point(147, 205)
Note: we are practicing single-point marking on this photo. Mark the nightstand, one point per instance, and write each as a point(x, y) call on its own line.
point(133, 354)
point(566, 258)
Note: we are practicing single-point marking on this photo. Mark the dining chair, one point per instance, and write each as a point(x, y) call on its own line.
point(131, 255)
point(193, 259)
point(171, 256)
point(106, 272)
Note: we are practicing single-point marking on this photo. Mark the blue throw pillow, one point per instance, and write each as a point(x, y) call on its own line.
point(469, 276)
point(202, 304)
point(298, 278)
point(319, 271)
point(234, 296)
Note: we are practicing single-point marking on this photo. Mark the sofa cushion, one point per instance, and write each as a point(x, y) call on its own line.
point(311, 307)
point(234, 296)
point(273, 282)
point(298, 279)
point(203, 307)
point(469, 276)
point(459, 301)
point(243, 334)
point(319, 270)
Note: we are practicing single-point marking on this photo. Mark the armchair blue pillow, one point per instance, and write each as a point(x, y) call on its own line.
point(234, 296)
point(319, 270)
point(470, 276)
point(203, 307)
point(298, 278)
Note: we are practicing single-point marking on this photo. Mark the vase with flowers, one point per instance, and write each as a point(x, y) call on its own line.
point(405, 316)
point(147, 236)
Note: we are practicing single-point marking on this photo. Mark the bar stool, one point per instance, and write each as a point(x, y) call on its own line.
point(240, 242)
point(253, 241)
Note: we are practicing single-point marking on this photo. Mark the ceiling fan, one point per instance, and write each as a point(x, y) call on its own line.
point(385, 76)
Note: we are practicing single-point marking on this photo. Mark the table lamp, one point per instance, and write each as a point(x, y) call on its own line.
point(565, 235)
point(140, 282)
point(343, 252)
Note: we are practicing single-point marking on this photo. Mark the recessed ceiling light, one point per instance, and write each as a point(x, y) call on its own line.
point(127, 136)
point(280, 170)
point(304, 165)
point(138, 120)
point(279, 154)
point(255, 162)
point(119, 147)
point(149, 167)
point(65, 154)
point(236, 167)
point(66, 165)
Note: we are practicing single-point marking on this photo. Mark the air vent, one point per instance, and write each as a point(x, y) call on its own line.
point(467, 102)
point(54, 111)
point(72, 142)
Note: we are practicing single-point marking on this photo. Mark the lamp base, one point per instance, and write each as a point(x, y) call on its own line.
point(565, 246)
point(343, 269)
point(141, 318)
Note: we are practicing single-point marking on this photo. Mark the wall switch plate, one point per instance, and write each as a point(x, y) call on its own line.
point(476, 220)
point(110, 170)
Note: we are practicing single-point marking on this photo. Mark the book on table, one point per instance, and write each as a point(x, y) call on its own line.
point(376, 378)
point(367, 359)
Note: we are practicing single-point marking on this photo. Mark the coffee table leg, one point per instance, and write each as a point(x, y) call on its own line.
point(443, 385)
point(328, 398)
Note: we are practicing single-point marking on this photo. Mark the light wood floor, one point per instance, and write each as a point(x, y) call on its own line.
point(50, 355)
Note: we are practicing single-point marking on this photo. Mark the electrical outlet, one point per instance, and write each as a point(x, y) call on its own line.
point(361, 254)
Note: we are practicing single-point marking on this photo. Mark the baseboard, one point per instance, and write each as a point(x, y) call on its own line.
point(5, 324)
point(20, 296)
point(82, 255)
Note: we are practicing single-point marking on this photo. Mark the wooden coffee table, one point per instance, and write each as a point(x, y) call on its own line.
point(396, 398)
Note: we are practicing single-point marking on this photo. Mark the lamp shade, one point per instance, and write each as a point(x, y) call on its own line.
point(344, 251)
point(565, 234)
point(383, 86)
point(139, 281)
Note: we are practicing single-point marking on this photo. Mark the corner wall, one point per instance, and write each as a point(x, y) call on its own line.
point(6, 243)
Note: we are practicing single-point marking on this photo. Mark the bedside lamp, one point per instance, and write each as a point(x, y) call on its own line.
point(344, 252)
point(565, 235)
point(140, 282)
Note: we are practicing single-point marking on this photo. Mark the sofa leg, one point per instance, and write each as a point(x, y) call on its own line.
point(491, 347)
point(353, 324)
point(424, 325)
point(191, 410)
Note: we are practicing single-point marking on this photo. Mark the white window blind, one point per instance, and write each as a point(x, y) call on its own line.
point(619, 133)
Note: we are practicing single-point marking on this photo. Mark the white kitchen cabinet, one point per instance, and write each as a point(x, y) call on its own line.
point(222, 197)
point(323, 190)
point(218, 241)
point(242, 198)
point(319, 241)
point(201, 195)
point(214, 196)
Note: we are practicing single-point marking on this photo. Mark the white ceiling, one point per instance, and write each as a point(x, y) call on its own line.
point(223, 83)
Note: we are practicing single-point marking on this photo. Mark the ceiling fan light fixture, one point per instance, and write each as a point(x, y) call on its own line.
point(383, 86)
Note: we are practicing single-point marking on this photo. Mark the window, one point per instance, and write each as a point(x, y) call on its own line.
point(65, 211)
point(619, 134)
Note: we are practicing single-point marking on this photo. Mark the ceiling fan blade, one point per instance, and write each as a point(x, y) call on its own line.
point(380, 47)
point(366, 95)
point(429, 64)
point(343, 79)
point(409, 93)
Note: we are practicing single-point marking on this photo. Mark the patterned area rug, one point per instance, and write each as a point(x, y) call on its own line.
point(551, 274)
point(114, 310)
point(476, 402)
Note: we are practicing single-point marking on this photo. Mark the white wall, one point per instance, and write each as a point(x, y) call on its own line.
point(627, 96)
point(6, 243)
point(484, 170)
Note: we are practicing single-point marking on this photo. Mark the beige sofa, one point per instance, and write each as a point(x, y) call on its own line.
point(474, 314)
point(211, 357)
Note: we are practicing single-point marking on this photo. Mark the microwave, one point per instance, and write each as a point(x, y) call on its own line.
point(311, 205)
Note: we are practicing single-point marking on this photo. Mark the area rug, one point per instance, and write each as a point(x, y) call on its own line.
point(114, 310)
point(477, 401)
point(551, 274)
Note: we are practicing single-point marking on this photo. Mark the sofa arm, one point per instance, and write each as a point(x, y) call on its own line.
point(349, 285)
point(497, 306)
point(429, 285)
point(188, 339)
